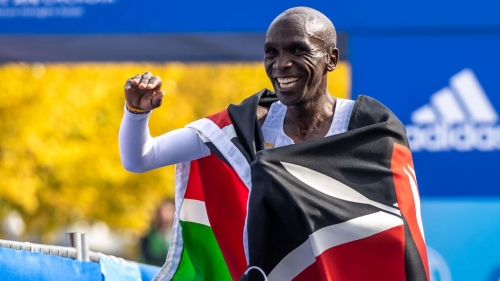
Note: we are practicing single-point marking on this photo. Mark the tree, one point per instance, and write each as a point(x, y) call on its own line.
point(59, 160)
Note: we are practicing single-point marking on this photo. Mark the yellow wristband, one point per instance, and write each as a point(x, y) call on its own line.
point(136, 110)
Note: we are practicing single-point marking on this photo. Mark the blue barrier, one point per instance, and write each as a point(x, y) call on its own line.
point(20, 265)
point(462, 237)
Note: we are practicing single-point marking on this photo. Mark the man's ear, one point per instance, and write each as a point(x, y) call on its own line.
point(333, 59)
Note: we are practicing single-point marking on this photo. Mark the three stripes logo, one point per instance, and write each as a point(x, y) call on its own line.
point(459, 117)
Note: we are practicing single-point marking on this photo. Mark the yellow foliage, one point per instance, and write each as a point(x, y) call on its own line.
point(59, 160)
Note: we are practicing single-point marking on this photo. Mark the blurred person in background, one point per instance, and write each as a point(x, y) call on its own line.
point(344, 178)
point(155, 243)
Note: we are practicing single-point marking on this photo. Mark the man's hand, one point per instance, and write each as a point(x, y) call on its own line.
point(143, 91)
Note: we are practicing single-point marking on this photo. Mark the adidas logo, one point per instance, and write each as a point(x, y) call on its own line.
point(459, 117)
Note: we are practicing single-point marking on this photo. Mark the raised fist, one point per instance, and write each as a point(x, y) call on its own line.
point(143, 91)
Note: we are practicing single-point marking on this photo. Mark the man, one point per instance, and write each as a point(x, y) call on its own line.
point(339, 204)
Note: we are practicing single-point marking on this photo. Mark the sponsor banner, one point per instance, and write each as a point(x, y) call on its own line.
point(41, 9)
point(448, 99)
point(459, 117)
point(462, 238)
point(147, 16)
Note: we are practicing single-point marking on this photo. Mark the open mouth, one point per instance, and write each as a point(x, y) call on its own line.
point(287, 82)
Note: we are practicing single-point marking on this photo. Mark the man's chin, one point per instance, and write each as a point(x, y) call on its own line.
point(288, 98)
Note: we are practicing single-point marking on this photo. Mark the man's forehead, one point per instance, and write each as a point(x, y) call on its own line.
point(288, 21)
point(298, 23)
point(293, 34)
point(312, 25)
point(272, 39)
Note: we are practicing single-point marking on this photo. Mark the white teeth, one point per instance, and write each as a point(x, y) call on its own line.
point(287, 85)
point(287, 82)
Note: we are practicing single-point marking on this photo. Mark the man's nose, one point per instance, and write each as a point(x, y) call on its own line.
point(282, 62)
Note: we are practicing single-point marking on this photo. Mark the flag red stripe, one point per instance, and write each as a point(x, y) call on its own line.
point(310, 273)
point(401, 157)
point(226, 200)
point(194, 190)
point(221, 118)
point(377, 257)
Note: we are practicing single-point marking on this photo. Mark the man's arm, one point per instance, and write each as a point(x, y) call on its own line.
point(139, 151)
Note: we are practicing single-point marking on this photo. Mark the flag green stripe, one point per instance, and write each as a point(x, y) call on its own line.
point(201, 257)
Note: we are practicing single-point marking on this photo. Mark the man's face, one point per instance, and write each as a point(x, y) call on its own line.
point(296, 61)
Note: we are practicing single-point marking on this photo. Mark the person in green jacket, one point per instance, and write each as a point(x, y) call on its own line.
point(155, 244)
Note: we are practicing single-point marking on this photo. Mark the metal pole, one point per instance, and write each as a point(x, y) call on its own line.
point(85, 247)
point(73, 239)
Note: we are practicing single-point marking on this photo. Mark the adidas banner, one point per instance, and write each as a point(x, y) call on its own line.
point(459, 117)
point(449, 106)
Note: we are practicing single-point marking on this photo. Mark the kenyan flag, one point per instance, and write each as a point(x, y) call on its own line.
point(344, 207)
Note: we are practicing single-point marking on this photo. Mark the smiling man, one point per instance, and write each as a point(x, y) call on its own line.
point(299, 51)
point(293, 184)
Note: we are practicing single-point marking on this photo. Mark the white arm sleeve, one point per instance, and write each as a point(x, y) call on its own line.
point(140, 152)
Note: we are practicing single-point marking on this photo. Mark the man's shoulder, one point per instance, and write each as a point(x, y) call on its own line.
point(368, 111)
point(370, 105)
point(258, 103)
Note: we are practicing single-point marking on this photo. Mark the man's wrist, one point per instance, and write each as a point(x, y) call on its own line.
point(135, 110)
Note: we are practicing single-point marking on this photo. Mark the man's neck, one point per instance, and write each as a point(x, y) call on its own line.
point(310, 120)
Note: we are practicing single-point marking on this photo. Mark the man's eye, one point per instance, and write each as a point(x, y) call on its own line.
point(298, 51)
point(271, 52)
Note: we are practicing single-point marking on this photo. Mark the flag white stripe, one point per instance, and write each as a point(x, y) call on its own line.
point(229, 131)
point(447, 106)
point(212, 133)
point(294, 263)
point(332, 187)
point(412, 171)
point(328, 237)
point(176, 245)
point(194, 211)
point(352, 230)
point(416, 198)
point(474, 99)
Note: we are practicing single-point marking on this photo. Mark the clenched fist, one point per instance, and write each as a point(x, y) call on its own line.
point(143, 91)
